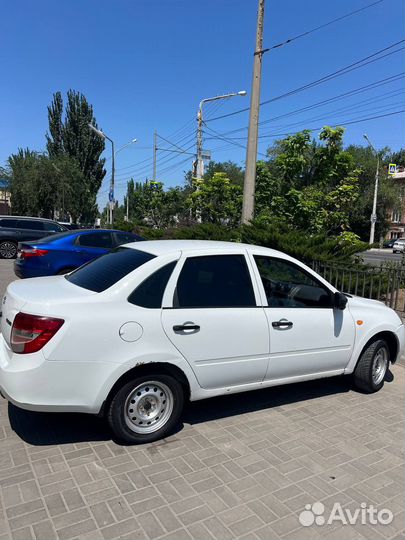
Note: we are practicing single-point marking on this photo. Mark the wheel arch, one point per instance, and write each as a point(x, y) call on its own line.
point(390, 338)
point(150, 368)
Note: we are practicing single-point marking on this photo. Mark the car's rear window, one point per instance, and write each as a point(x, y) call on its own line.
point(100, 274)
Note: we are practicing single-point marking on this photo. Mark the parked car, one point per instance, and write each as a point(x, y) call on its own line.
point(389, 243)
point(399, 245)
point(62, 253)
point(134, 334)
point(69, 226)
point(14, 229)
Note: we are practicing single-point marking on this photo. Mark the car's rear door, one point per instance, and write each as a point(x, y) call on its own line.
point(30, 229)
point(89, 246)
point(212, 315)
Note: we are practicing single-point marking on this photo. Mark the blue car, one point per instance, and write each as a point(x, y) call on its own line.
point(63, 252)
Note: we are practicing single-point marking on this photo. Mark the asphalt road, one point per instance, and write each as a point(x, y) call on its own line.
point(377, 257)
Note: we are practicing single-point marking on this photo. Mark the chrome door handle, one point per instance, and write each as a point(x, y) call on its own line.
point(282, 324)
point(181, 327)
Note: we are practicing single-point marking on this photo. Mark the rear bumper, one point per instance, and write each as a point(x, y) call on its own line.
point(36, 384)
point(23, 271)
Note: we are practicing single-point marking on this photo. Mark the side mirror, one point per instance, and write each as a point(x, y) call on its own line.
point(339, 300)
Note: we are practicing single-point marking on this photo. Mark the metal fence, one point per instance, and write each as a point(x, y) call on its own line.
point(385, 283)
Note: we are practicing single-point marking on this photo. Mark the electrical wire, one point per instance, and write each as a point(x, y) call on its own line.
point(342, 71)
point(321, 26)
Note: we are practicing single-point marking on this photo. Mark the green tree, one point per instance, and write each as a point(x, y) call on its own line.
point(216, 200)
point(33, 186)
point(69, 135)
point(388, 193)
point(308, 185)
point(234, 172)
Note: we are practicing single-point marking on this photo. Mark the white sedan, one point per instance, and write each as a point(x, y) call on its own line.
point(135, 333)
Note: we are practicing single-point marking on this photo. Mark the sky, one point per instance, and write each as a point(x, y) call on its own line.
point(145, 65)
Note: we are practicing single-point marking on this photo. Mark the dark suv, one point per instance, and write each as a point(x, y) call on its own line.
point(14, 229)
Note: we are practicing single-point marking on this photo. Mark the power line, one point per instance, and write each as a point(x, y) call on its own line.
point(342, 71)
point(337, 19)
point(350, 93)
point(338, 124)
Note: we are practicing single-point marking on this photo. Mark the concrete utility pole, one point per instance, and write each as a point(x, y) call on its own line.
point(154, 154)
point(373, 217)
point(198, 166)
point(251, 151)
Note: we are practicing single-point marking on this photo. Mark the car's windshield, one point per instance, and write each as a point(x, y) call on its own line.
point(100, 274)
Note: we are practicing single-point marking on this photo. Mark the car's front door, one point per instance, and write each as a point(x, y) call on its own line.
point(212, 315)
point(308, 335)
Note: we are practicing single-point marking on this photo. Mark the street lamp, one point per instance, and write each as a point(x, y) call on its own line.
point(199, 164)
point(125, 145)
point(111, 193)
point(373, 217)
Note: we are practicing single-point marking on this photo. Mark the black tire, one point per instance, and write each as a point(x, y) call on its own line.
point(120, 418)
point(365, 375)
point(8, 249)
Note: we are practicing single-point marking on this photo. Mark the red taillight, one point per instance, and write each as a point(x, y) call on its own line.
point(26, 253)
point(31, 332)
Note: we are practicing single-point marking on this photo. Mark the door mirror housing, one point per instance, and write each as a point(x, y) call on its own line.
point(339, 300)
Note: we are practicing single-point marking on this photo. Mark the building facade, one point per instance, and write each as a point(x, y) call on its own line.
point(397, 217)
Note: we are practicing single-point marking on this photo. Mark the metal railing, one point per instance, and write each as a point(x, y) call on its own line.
point(384, 283)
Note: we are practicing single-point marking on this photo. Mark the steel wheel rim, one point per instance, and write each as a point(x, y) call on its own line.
point(380, 364)
point(7, 250)
point(148, 407)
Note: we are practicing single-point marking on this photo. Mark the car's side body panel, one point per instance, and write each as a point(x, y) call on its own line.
point(104, 336)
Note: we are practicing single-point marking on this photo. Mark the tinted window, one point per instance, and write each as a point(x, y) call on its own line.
point(150, 292)
point(100, 274)
point(214, 281)
point(124, 238)
point(8, 222)
point(52, 227)
point(55, 237)
point(30, 224)
point(286, 285)
point(100, 239)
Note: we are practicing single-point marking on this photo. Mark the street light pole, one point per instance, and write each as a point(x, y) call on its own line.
point(199, 163)
point(373, 217)
point(251, 150)
point(111, 192)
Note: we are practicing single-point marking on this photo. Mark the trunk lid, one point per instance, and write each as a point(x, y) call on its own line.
point(37, 294)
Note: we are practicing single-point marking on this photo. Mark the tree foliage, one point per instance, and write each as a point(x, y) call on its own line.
point(69, 135)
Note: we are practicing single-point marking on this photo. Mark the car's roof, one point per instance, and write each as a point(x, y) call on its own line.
point(161, 247)
point(27, 217)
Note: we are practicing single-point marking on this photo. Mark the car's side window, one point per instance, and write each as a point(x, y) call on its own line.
point(286, 285)
point(149, 293)
point(123, 238)
point(214, 281)
point(98, 240)
point(52, 227)
point(30, 224)
point(8, 222)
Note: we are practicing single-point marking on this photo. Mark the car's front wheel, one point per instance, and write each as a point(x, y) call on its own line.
point(146, 409)
point(8, 249)
point(372, 367)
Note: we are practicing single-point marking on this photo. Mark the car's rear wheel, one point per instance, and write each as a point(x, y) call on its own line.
point(8, 249)
point(146, 409)
point(372, 367)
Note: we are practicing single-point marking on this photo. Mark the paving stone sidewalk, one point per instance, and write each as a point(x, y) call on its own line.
point(242, 466)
